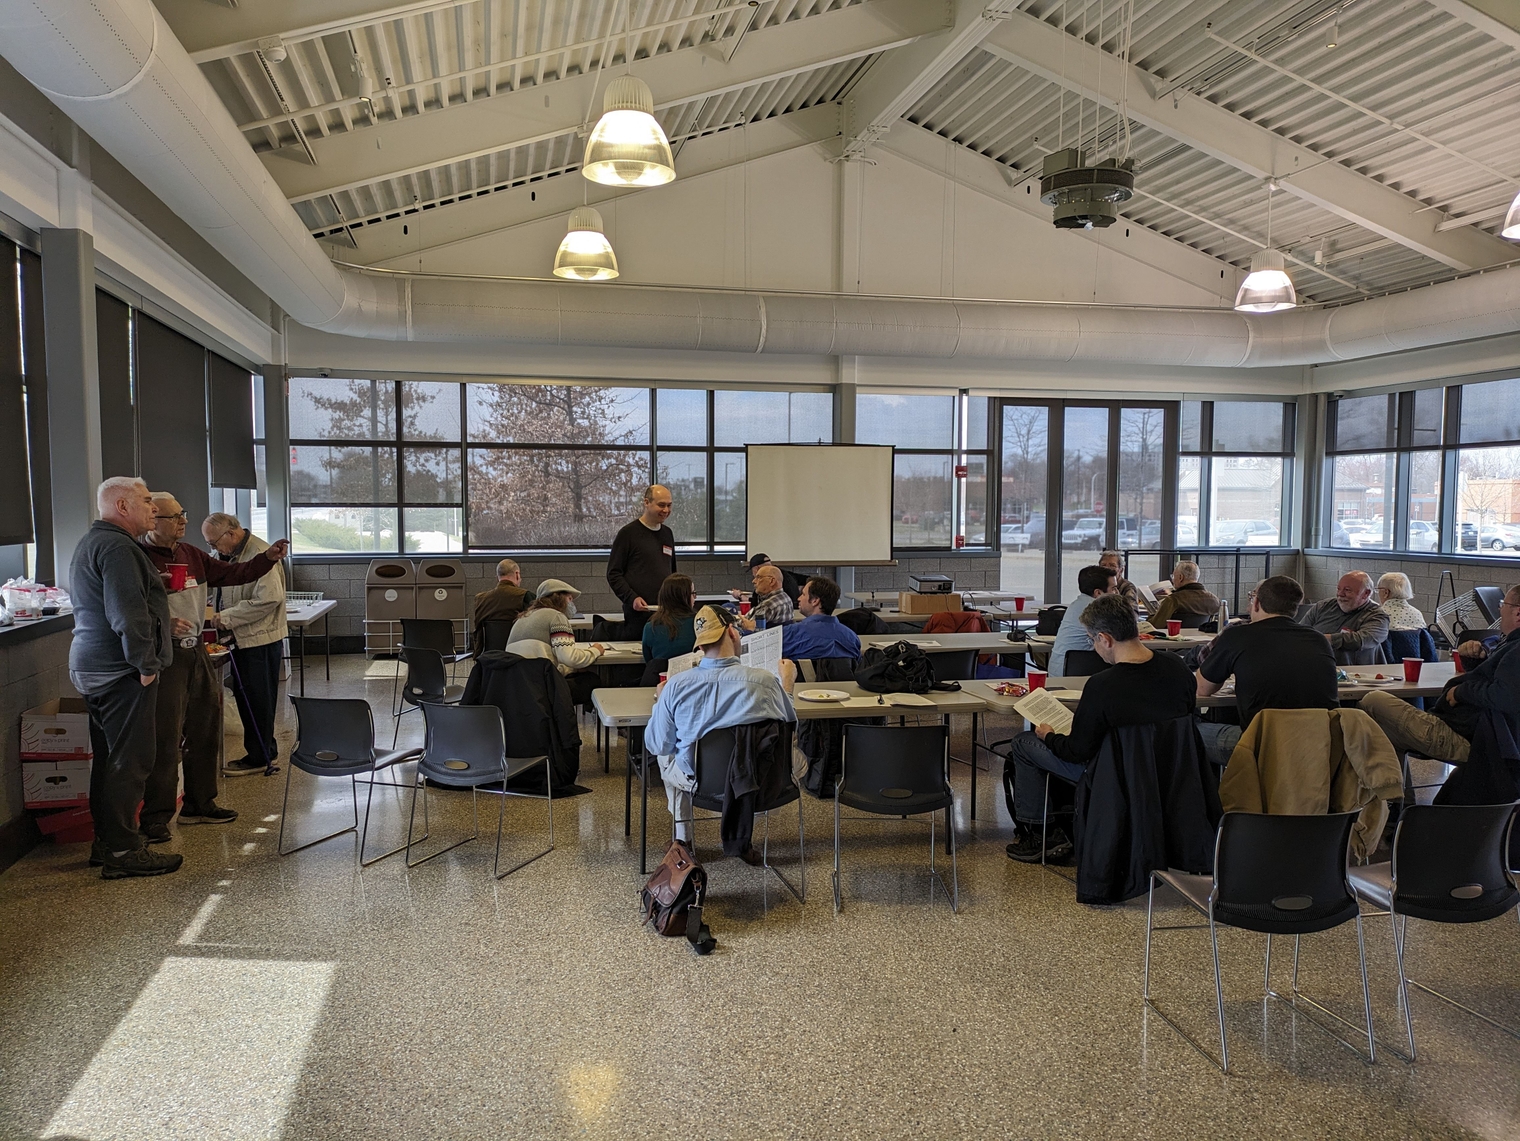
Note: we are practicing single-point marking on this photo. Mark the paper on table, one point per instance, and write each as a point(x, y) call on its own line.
point(924, 643)
point(916, 700)
point(1041, 707)
point(683, 663)
point(762, 649)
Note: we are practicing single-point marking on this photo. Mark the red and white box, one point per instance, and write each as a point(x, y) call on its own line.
point(71, 826)
point(55, 784)
point(56, 730)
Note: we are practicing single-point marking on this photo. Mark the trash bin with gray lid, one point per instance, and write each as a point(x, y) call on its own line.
point(441, 594)
point(390, 594)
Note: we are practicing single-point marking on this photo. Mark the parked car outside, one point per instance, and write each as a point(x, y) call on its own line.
point(1467, 537)
point(1243, 533)
point(1499, 537)
point(1085, 534)
point(1013, 536)
point(1424, 535)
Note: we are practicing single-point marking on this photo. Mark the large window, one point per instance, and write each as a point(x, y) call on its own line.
point(939, 477)
point(1425, 471)
point(1235, 473)
point(438, 467)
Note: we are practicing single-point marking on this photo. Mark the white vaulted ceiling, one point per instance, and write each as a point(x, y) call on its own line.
point(1394, 150)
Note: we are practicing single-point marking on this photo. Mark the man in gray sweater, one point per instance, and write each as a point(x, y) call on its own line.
point(122, 642)
point(1356, 626)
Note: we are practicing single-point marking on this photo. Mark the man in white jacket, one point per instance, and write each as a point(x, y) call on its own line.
point(256, 616)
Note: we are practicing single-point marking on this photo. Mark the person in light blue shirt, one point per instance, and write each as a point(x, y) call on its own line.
point(819, 634)
point(1093, 582)
point(719, 693)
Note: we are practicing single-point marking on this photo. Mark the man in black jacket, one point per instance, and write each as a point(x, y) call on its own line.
point(643, 555)
point(122, 642)
point(1492, 682)
point(1139, 688)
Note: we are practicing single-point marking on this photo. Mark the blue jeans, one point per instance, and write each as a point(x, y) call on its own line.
point(1219, 741)
point(1028, 762)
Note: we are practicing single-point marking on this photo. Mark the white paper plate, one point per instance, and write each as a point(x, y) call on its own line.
point(1355, 679)
point(823, 695)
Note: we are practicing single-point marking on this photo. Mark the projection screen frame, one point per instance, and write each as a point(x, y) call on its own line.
point(749, 552)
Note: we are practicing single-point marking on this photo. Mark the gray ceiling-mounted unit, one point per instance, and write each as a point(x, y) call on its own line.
point(1085, 196)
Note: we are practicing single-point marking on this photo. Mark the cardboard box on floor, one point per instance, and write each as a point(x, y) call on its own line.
point(911, 603)
point(71, 826)
point(56, 730)
point(55, 784)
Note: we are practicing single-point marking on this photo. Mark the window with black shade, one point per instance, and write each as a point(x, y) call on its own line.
point(1234, 473)
point(939, 476)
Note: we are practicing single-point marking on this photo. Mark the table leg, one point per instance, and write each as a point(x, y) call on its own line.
point(301, 650)
point(973, 765)
point(327, 644)
point(627, 787)
point(643, 811)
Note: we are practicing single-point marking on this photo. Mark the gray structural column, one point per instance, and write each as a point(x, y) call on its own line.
point(277, 451)
point(844, 433)
point(73, 365)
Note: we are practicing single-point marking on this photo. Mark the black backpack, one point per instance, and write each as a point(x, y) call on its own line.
point(901, 667)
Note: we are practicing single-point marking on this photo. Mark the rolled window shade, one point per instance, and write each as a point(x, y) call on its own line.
point(171, 406)
point(231, 425)
point(118, 419)
point(15, 507)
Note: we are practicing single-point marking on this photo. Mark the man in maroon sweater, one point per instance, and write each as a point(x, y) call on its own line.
point(189, 693)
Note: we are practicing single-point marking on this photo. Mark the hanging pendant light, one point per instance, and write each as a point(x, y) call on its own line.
point(585, 254)
point(1512, 221)
point(627, 146)
point(1267, 288)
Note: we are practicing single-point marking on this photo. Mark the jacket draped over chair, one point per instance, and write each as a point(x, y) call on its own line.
point(536, 711)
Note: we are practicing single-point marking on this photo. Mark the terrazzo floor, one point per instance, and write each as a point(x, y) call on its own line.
point(251, 997)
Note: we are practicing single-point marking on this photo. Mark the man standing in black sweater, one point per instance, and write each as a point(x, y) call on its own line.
point(1139, 687)
point(643, 554)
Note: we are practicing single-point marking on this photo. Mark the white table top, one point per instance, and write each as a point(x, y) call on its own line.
point(305, 615)
point(622, 654)
point(992, 643)
point(625, 707)
point(1433, 679)
point(994, 596)
point(1184, 641)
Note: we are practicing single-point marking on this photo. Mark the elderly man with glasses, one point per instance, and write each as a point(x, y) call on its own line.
point(1491, 683)
point(255, 614)
point(189, 694)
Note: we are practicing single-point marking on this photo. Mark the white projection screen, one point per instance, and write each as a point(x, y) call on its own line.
point(820, 504)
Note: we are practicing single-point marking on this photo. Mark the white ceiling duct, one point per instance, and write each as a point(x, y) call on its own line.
point(116, 69)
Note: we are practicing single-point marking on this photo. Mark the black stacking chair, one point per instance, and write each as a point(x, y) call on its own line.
point(1448, 866)
point(426, 683)
point(430, 634)
point(466, 747)
point(494, 634)
point(335, 737)
point(1193, 621)
point(897, 771)
point(713, 752)
point(1280, 875)
point(954, 665)
point(1083, 663)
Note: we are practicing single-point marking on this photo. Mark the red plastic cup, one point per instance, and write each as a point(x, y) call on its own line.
point(743, 608)
point(208, 635)
point(1035, 678)
point(1412, 669)
point(664, 677)
point(1018, 602)
point(1173, 626)
point(1457, 658)
point(178, 572)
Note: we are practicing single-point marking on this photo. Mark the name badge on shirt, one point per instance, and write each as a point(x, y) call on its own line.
point(667, 551)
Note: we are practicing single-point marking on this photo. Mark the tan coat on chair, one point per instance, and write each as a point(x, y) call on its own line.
point(1307, 761)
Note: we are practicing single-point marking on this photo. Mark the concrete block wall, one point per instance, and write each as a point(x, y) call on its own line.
point(31, 672)
point(1322, 570)
point(343, 580)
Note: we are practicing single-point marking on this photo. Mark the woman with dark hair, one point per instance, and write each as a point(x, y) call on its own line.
point(669, 633)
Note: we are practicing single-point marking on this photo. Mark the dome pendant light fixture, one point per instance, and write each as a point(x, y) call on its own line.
point(627, 146)
point(1267, 288)
point(1512, 221)
point(585, 254)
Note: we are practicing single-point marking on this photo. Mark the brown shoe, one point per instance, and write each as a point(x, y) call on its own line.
point(752, 856)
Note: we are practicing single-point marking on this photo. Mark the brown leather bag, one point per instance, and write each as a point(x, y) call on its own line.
point(672, 899)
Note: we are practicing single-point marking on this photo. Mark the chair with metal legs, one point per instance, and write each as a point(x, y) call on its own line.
point(426, 684)
point(1279, 875)
point(713, 753)
point(1449, 866)
point(335, 737)
point(466, 747)
point(897, 771)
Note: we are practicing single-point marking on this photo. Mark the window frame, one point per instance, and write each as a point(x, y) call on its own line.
point(1206, 453)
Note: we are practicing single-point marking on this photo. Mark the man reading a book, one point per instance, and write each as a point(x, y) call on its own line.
point(1137, 687)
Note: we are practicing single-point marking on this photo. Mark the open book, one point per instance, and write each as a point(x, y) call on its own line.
point(1040, 707)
